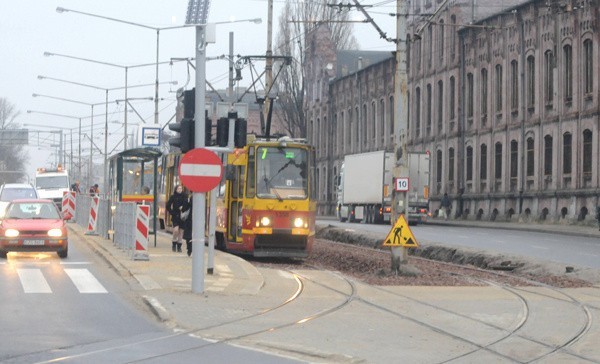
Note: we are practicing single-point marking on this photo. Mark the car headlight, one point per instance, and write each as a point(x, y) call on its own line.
point(55, 233)
point(11, 233)
point(298, 222)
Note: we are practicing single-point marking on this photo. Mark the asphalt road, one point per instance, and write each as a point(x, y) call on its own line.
point(79, 310)
point(561, 248)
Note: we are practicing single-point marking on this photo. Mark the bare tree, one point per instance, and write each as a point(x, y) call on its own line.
point(13, 157)
point(296, 20)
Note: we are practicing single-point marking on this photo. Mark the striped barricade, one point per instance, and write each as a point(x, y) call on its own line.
point(93, 219)
point(141, 233)
point(68, 205)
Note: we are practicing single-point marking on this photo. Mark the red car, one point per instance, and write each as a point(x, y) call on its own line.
point(33, 226)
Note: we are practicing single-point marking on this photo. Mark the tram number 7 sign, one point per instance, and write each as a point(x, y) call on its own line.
point(200, 170)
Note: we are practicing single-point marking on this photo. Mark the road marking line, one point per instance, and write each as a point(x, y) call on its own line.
point(33, 281)
point(74, 263)
point(85, 281)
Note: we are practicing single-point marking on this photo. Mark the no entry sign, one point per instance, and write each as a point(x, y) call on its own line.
point(200, 170)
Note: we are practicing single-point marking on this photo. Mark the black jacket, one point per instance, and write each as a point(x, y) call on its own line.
point(175, 205)
point(187, 224)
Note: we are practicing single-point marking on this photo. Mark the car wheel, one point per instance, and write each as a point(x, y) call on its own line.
point(63, 253)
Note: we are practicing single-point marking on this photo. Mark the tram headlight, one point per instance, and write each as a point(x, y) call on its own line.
point(265, 221)
point(299, 222)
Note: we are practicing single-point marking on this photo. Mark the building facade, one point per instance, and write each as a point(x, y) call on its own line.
point(508, 107)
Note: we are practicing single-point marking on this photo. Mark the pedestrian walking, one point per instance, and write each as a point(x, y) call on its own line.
point(446, 205)
point(187, 227)
point(175, 207)
point(94, 190)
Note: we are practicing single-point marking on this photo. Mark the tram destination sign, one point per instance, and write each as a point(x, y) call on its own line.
point(200, 170)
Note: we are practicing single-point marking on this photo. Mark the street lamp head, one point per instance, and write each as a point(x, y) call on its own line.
point(256, 21)
point(40, 77)
point(61, 10)
point(35, 95)
point(29, 111)
point(48, 54)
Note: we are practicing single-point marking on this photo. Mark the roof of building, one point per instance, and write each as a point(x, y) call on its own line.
point(347, 60)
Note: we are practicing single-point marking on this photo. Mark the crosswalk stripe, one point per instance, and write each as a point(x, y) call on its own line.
point(85, 281)
point(33, 281)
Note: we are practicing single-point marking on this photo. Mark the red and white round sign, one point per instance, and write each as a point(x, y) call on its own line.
point(200, 170)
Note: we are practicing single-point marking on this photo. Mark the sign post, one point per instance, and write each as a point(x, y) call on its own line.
point(399, 239)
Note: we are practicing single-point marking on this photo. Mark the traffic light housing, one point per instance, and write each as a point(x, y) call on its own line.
point(239, 134)
point(185, 138)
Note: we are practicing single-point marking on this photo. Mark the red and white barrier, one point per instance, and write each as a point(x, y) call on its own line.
point(93, 220)
point(68, 205)
point(141, 233)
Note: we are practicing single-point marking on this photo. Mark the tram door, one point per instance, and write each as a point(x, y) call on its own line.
point(236, 191)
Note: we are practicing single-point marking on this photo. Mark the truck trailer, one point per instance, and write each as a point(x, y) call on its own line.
point(418, 187)
point(364, 188)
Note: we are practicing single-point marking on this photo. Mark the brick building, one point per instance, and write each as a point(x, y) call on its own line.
point(504, 98)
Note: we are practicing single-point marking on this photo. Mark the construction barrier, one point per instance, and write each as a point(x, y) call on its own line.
point(125, 225)
point(68, 205)
point(93, 217)
point(141, 233)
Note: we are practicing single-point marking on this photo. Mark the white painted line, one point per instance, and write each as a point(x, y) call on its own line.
point(74, 263)
point(85, 281)
point(201, 170)
point(33, 281)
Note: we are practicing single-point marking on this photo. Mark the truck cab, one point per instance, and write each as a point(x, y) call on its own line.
point(51, 184)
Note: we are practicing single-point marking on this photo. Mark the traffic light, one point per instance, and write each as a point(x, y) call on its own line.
point(239, 133)
point(185, 138)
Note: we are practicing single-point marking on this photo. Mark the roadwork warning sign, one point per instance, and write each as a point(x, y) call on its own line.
point(400, 235)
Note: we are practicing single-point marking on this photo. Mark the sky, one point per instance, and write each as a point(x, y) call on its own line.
point(29, 28)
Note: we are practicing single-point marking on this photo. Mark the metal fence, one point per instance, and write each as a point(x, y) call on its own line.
point(125, 225)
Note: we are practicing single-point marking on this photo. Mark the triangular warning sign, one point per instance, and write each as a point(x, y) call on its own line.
point(400, 235)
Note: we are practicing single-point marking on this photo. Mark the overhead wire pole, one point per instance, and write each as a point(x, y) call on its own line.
point(268, 67)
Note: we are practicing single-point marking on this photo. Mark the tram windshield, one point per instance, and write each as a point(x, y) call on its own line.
point(281, 173)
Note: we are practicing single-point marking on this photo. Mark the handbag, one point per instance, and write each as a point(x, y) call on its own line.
point(185, 214)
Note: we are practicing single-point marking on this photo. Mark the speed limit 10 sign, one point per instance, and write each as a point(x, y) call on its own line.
point(402, 184)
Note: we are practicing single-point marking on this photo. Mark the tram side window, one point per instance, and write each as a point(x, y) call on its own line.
point(251, 179)
point(313, 182)
point(242, 171)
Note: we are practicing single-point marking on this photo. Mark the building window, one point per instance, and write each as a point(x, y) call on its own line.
point(568, 72)
point(498, 88)
point(418, 54)
point(548, 77)
point(514, 159)
point(429, 107)
point(364, 126)
point(548, 155)
point(430, 39)
point(483, 163)
point(587, 154)
point(452, 97)
point(530, 158)
point(441, 43)
point(588, 66)
point(438, 170)
point(374, 123)
point(418, 112)
point(484, 92)
point(391, 113)
point(382, 119)
point(470, 95)
point(530, 81)
point(514, 86)
point(334, 133)
point(440, 106)
point(452, 37)
point(451, 164)
point(469, 163)
point(349, 131)
point(567, 144)
point(408, 108)
point(498, 161)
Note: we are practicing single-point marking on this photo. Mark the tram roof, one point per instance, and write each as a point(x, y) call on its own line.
point(141, 154)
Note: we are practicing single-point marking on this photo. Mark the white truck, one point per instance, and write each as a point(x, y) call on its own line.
point(364, 187)
point(418, 187)
point(51, 183)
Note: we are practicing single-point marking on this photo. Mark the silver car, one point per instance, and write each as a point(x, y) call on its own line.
point(15, 191)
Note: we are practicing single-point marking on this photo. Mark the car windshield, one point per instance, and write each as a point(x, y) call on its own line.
point(32, 210)
point(281, 173)
point(9, 194)
point(52, 182)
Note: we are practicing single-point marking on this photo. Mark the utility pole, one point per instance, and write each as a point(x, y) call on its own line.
point(401, 169)
point(268, 65)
